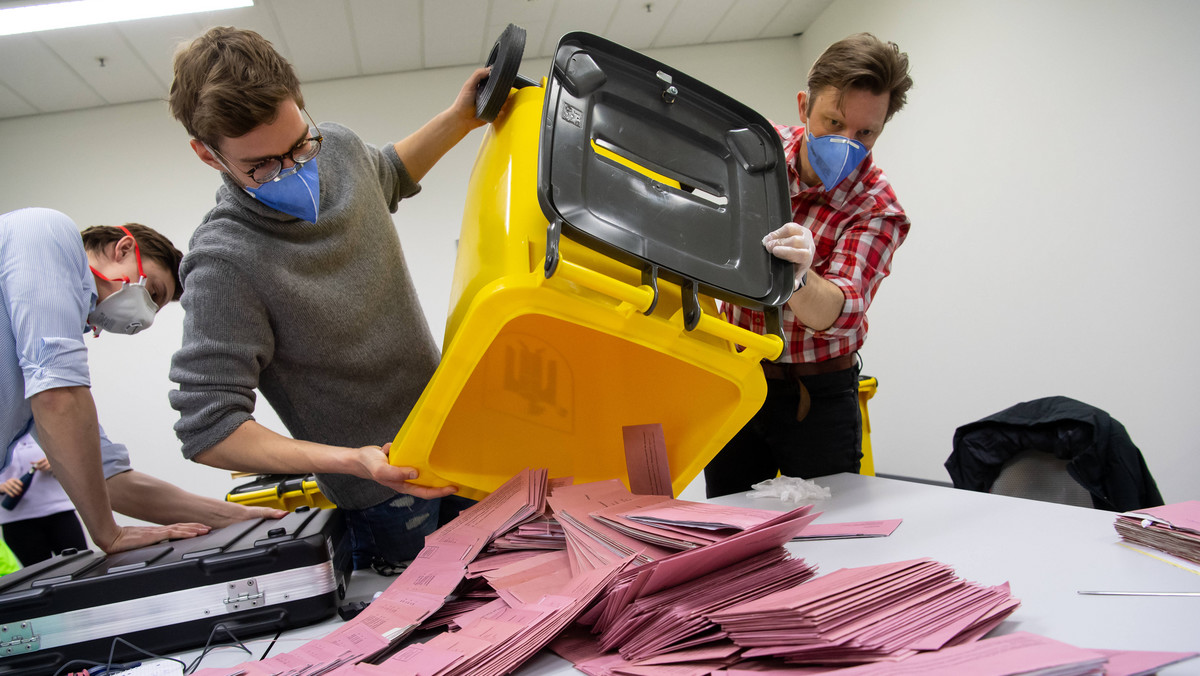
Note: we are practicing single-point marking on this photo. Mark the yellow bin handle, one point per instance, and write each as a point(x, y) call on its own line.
point(757, 347)
point(640, 297)
point(762, 347)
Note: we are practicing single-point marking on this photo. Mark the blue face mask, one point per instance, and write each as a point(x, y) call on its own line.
point(297, 194)
point(834, 157)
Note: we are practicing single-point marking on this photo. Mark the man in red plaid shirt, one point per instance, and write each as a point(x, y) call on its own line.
point(847, 224)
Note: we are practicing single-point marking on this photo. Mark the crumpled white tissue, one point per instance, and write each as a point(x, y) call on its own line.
point(789, 489)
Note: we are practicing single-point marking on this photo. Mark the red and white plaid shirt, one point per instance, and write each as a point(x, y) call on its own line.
point(856, 229)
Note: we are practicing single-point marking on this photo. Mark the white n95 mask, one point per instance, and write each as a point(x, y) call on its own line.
point(128, 310)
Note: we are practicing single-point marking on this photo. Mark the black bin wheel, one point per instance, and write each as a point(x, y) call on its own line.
point(505, 60)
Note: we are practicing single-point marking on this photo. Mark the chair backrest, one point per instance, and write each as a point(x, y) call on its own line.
point(1038, 475)
point(1054, 433)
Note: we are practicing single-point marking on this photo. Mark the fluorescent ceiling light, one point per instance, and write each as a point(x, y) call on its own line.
point(73, 13)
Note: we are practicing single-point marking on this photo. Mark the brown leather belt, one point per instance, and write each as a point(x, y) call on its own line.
point(776, 371)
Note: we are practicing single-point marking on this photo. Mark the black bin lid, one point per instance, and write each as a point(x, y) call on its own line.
point(605, 100)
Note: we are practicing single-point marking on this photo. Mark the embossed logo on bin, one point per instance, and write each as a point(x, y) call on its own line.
point(531, 380)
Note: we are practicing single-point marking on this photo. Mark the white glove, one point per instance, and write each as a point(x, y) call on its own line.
point(790, 489)
point(793, 242)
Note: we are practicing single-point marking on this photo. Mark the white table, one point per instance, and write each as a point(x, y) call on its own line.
point(1047, 553)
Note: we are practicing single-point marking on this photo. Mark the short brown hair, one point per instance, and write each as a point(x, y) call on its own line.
point(862, 61)
point(229, 81)
point(151, 244)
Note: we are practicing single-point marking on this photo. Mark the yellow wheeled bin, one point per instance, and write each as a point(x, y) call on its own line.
point(866, 389)
point(555, 340)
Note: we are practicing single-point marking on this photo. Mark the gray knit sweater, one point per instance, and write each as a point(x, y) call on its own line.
point(321, 318)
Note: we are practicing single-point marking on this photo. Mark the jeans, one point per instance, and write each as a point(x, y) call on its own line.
point(394, 530)
point(827, 441)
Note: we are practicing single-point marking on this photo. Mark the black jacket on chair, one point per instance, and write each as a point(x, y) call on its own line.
point(1099, 453)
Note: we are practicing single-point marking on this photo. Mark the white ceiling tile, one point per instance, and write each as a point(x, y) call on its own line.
point(795, 18)
point(637, 22)
point(534, 30)
point(590, 16)
point(35, 73)
point(532, 15)
point(387, 34)
point(691, 22)
point(258, 18)
point(746, 19)
point(542, 44)
point(454, 30)
point(12, 105)
point(318, 32)
point(102, 57)
point(156, 40)
point(327, 39)
point(504, 12)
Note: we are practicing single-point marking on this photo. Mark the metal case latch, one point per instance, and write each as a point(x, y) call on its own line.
point(17, 638)
point(243, 594)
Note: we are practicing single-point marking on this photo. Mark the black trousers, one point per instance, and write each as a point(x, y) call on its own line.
point(827, 441)
point(34, 540)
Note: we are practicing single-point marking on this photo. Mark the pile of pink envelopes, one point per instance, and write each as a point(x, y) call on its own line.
point(1174, 528)
point(867, 614)
point(630, 585)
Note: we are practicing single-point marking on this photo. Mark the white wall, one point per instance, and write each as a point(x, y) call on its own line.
point(1045, 159)
point(1041, 158)
point(132, 163)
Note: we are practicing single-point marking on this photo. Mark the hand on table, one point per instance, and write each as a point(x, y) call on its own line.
point(132, 537)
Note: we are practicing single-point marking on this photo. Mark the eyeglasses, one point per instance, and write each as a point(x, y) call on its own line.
point(271, 168)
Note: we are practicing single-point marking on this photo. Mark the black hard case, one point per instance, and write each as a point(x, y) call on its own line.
point(255, 577)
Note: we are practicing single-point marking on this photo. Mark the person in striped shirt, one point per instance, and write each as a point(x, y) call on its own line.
point(846, 226)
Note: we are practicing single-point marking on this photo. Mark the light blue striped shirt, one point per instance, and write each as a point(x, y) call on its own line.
point(48, 290)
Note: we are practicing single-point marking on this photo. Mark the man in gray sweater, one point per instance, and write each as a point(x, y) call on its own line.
point(297, 287)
